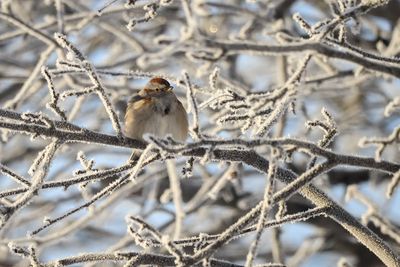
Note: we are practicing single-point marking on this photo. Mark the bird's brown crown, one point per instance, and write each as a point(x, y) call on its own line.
point(160, 81)
point(157, 85)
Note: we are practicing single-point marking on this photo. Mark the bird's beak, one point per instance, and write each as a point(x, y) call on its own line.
point(170, 89)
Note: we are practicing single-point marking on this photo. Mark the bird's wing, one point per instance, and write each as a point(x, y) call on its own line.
point(135, 98)
point(184, 125)
point(138, 112)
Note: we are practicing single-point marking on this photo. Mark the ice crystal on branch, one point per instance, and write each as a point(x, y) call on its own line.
point(277, 97)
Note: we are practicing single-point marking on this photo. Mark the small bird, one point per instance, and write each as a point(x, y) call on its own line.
point(156, 110)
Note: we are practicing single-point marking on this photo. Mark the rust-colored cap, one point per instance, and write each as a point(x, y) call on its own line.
point(159, 80)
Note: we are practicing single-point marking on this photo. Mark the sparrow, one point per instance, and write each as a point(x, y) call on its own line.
point(156, 110)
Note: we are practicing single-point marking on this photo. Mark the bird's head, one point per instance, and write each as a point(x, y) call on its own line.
point(156, 87)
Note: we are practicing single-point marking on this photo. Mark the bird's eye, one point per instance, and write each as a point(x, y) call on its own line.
point(158, 90)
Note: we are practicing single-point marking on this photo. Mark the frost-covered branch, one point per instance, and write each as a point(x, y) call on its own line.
point(271, 91)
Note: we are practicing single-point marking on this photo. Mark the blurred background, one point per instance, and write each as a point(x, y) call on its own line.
point(129, 42)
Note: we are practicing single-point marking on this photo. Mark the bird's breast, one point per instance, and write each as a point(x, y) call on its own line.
point(163, 124)
point(161, 118)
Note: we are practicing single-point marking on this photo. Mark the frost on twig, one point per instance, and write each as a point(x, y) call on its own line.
point(192, 106)
point(328, 127)
point(105, 191)
point(187, 170)
point(63, 166)
point(86, 164)
point(267, 201)
point(259, 111)
point(288, 92)
point(164, 240)
point(392, 106)
point(381, 143)
point(53, 105)
point(372, 214)
point(175, 187)
point(10, 173)
point(91, 72)
point(151, 13)
point(36, 183)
